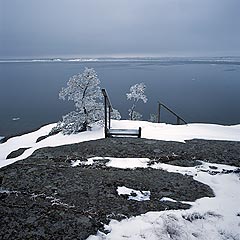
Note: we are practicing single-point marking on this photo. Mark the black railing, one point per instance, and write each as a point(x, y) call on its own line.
point(107, 111)
point(179, 119)
point(109, 132)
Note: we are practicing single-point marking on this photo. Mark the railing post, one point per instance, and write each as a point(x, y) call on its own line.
point(105, 116)
point(159, 109)
point(109, 117)
point(139, 132)
point(178, 121)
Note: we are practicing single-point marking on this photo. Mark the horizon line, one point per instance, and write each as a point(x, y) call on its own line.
point(113, 57)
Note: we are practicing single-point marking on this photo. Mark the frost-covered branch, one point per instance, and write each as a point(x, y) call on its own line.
point(136, 94)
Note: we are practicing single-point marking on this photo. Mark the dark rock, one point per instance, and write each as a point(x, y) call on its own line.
point(16, 153)
point(41, 138)
point(225, 171)
point(48, 198)
point(213, 167)
point(237, 170)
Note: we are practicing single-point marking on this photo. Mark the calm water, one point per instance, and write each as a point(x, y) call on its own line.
point(198, 91)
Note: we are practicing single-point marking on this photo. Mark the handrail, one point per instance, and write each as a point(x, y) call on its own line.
point(107, 111)
point(104, 92)
point(107, 123)
point(171, 111)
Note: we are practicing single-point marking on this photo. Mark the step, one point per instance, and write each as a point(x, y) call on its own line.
point(124, 132)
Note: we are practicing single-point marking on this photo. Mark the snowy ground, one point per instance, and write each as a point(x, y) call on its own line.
point(156, 131)
point(209, 218)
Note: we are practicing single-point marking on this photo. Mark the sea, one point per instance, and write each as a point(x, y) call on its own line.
point(200, 90)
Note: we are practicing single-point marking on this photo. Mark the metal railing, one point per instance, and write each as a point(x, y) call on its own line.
point(107, 111)
point(179, 119)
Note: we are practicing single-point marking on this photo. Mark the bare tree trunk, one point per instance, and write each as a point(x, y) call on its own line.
point(131, 111)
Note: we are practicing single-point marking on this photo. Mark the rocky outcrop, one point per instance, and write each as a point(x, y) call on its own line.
point(44, 197)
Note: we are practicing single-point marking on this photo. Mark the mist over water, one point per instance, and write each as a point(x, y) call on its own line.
point(203, 90)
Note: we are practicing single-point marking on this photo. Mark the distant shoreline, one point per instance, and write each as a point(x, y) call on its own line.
point(192, 60)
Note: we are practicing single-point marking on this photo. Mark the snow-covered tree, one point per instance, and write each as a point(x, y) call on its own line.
point(136, 94)
point(153, 118)
point(115, 114)
point(83, 89)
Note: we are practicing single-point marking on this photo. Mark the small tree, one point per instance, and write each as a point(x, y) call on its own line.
point(136, 94)
point(83, 89)
point(153, 118)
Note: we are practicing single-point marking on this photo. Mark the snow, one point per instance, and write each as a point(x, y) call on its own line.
point(116, 162)
point(167, 199)
point(29, 141)
point(75, 163)
point(208, 218)
point(158, 131)
point(134, 194)
point(181, 133)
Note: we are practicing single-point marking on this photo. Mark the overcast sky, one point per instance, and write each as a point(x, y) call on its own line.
point(77, 28)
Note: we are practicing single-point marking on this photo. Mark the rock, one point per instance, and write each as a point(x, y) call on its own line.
point(16, 153)
point(76, 202)
point(41, 138)
point(213, 167)
point(157, 150)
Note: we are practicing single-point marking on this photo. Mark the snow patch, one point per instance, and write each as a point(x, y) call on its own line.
point(167, 199)
point(90, 161)
point(127, 162)
point(123, 163)
point(15, 118)
point(134, 194)
point(208, 218)
point(75, 163)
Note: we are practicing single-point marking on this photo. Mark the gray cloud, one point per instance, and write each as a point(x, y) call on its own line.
point(113, 27)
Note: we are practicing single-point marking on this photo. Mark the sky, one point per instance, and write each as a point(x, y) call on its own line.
point(119, 28)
